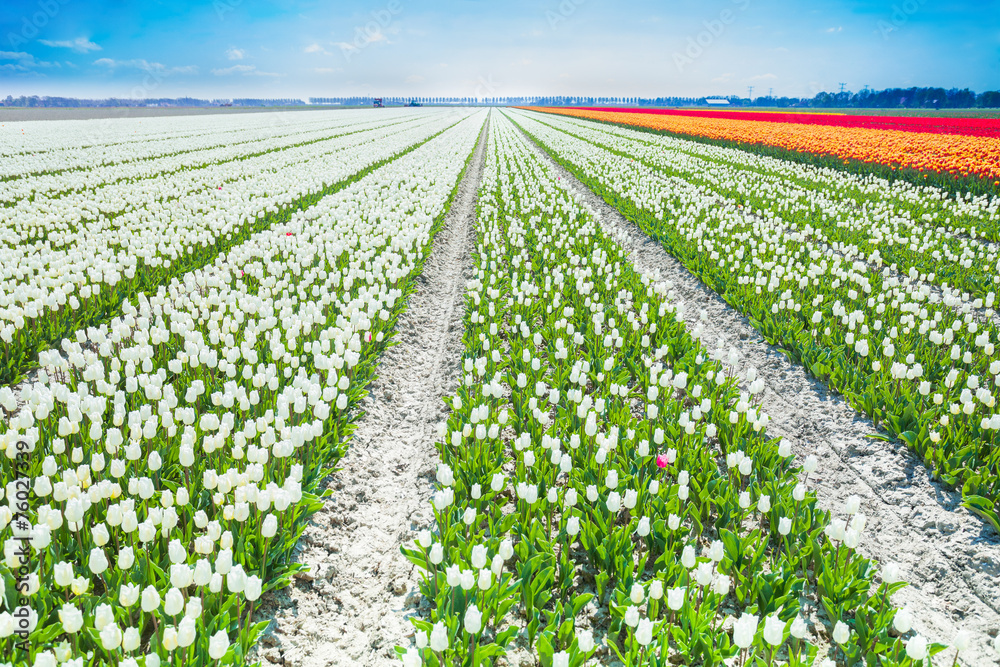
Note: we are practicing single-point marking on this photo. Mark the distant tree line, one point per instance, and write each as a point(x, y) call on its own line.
point(890, 98)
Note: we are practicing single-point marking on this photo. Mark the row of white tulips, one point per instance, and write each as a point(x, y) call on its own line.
point(32, 147)
point(181, 153)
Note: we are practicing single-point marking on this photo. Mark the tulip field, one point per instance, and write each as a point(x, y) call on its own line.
point(193, 310)
point(951, 152)
point(885, 293)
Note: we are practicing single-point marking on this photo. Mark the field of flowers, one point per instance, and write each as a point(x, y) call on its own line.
point(172, 450)
point(192, 311)
point(885, 292)
point(596, 456)
point(952, 148)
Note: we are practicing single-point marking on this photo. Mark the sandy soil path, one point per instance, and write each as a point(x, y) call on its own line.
point(352, 608)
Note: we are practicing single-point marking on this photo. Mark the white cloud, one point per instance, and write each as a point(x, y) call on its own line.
point(316, 48)
point(80, 44)
point(414, 78)
point(327, 70)
point(763, 77)
point(26, 61)
point(723, 78)
point(236, 54)
point(145, 65)
point(837, 29)
point(245, 70)
point(235, 69)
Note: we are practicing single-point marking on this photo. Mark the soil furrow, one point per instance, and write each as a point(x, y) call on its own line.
point(352, 606)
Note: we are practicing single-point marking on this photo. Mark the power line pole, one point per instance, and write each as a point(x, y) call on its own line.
point(770, 93)
point(750, 92)
point(842, 88)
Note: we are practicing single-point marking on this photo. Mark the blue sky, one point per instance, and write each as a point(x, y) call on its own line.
point(236, 48)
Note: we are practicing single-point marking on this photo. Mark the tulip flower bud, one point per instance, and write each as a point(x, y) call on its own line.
point(774, 630)
point(764, 504)
point(193, 608)
point(744, 499)
point(236, 580)
point(176, 552)
point(98, 561)
point(103, 615)
point(614, 501)
point(916, 648)
point(655, 589)
point(439, 638)
point(744, 630)
point(799, 629)
point(841, 633)
point(902, 621)
point(63, 574)
point(202, 572)
point(437, 554)
point(252, 589)
point(424, 538)
point(675, 598)
point(173, 603)
point(71, 618)
point(111, 637)
point(169, 640)
point(478, 558)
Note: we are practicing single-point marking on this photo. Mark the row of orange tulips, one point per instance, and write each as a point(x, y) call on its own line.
point(925, 151)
